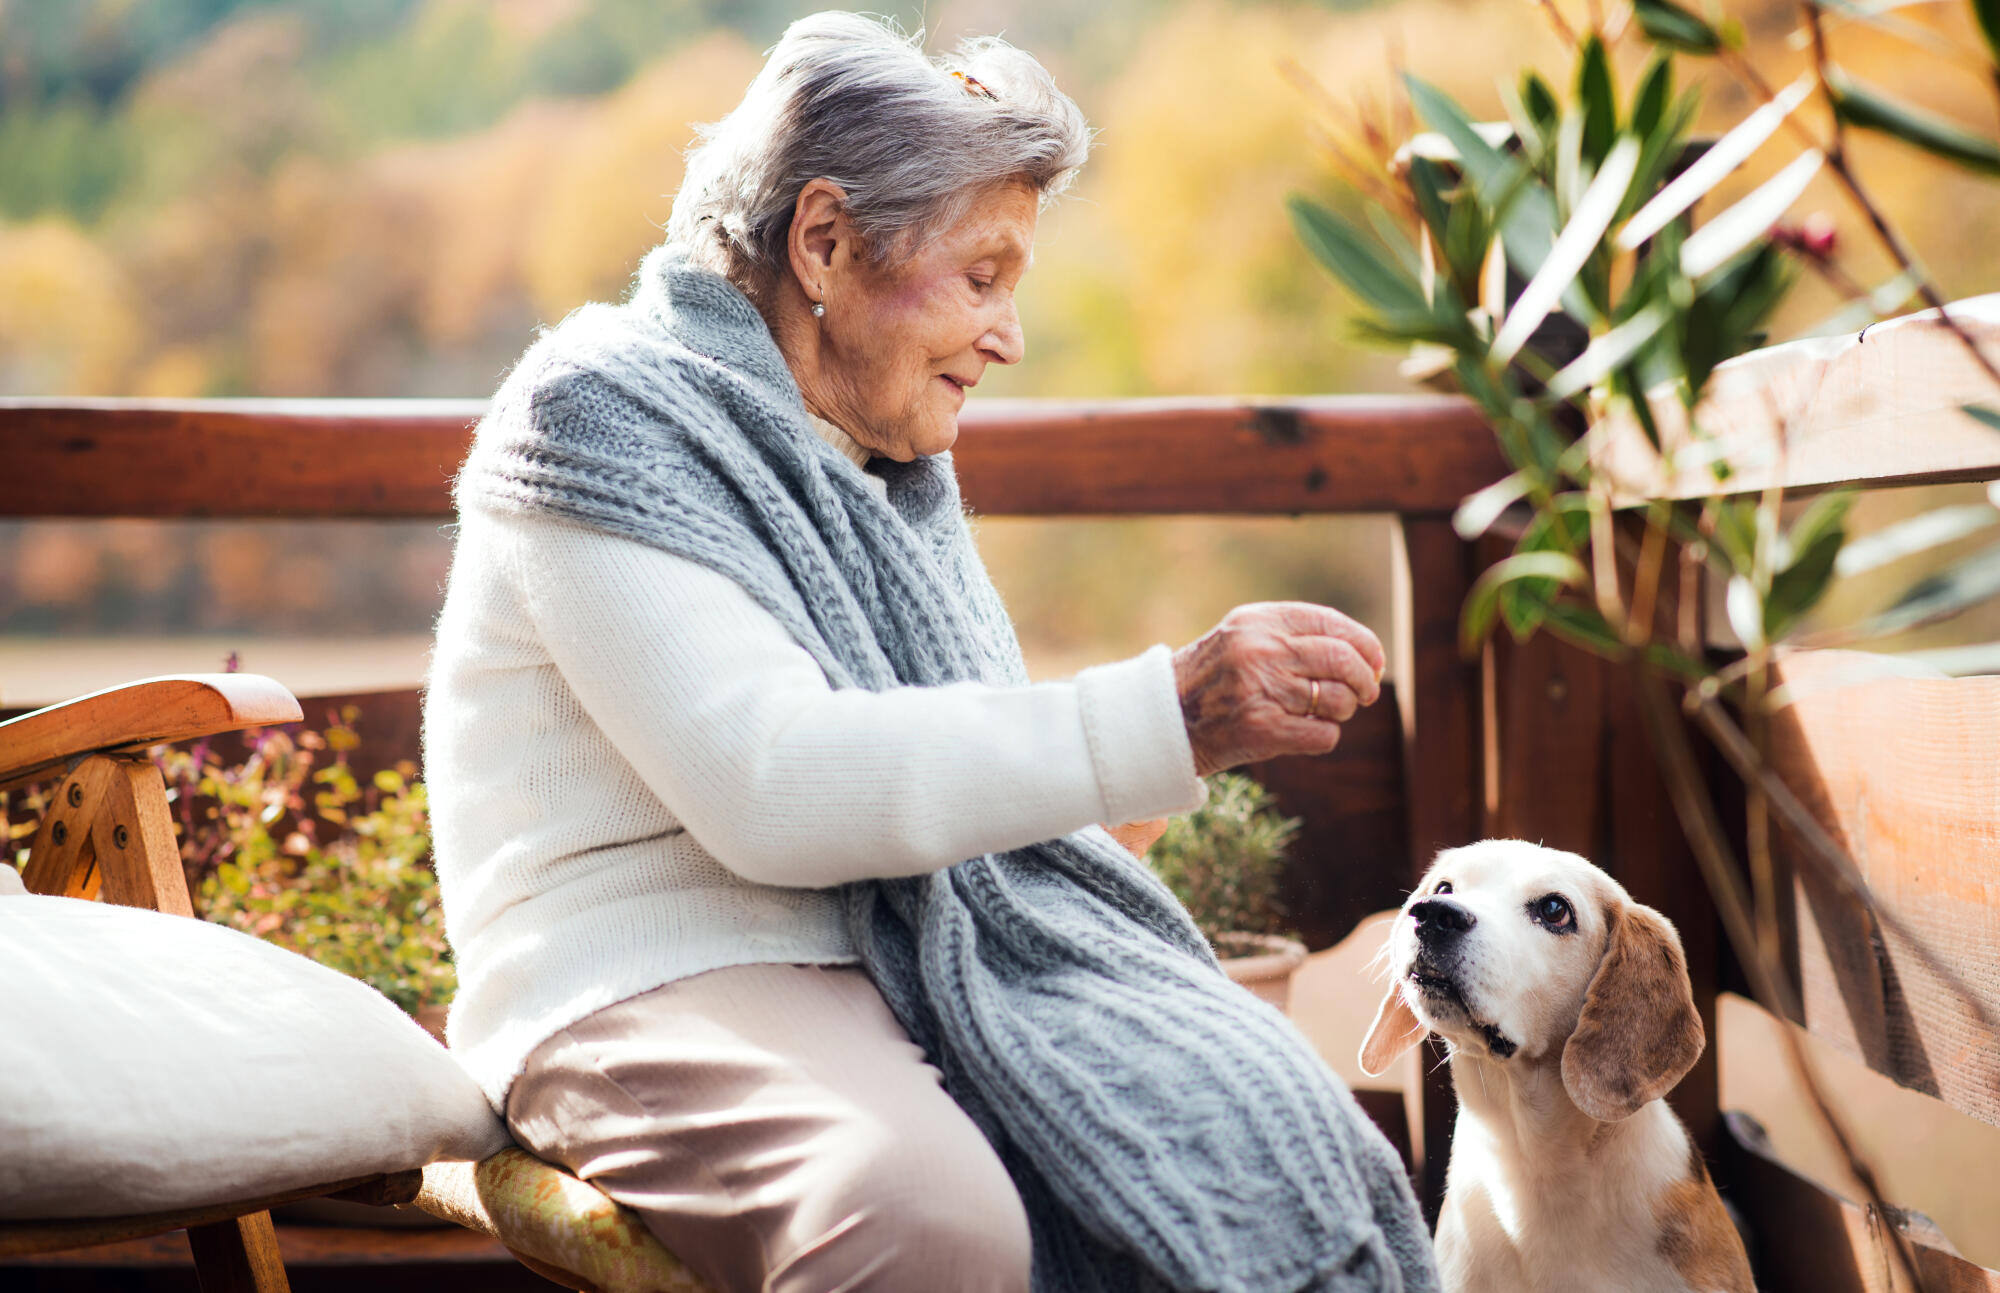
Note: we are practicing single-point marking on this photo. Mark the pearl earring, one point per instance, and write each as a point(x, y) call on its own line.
point(819, 309)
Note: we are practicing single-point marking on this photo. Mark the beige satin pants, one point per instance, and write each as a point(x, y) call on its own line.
point(780, 1133)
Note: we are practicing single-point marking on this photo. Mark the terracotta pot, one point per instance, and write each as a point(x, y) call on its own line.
point(1262, 963)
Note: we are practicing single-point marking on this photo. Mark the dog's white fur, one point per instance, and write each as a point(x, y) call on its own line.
point(1568, 1171)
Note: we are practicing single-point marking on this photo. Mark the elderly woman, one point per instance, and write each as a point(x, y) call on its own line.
point(783, 902)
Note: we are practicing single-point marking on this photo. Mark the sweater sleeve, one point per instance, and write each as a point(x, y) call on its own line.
point(787, 781)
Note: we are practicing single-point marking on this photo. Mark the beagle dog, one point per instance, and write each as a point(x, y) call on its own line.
point(1568, 1014)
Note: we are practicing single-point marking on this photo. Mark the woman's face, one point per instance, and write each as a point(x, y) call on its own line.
point(900, 344)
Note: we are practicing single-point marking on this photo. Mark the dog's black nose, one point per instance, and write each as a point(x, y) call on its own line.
point(1439, 919)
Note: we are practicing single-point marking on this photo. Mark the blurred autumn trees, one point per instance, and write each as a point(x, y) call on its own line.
point(387, 197)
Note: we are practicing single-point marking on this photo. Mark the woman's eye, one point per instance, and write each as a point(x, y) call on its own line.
point(978, 284)
point(1444, 886)
point(1554, 911)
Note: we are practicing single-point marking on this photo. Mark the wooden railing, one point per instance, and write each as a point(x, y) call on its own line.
point(1533, 740)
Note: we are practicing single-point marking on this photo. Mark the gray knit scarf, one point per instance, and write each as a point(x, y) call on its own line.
point(1165, 1129)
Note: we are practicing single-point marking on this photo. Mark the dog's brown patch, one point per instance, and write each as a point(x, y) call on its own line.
point(1696, 1236)
point(1639, 1033)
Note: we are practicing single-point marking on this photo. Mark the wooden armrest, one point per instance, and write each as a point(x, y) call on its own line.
point(140, 714)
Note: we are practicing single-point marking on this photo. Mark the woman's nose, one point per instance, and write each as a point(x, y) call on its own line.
point(1005, 343)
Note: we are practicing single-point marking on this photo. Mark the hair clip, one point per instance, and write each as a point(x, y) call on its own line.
point(972, 86)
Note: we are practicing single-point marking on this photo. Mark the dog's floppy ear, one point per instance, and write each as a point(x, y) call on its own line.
point(1395, 1030)
point(1639, 1033)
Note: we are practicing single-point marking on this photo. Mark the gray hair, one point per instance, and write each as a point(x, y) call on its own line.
point(911, 139)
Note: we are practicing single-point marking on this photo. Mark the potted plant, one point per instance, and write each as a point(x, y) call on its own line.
point(1223, 861)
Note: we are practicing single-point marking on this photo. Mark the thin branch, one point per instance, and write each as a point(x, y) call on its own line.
point(1556, 20)
point(1646, 579)
point(1837, 162)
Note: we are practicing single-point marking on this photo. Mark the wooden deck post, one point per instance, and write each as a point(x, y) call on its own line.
point(1437, 692)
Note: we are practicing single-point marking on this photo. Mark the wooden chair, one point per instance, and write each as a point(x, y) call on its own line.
point(108, 834)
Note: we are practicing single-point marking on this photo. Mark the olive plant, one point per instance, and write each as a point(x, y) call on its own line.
point(1552, 268)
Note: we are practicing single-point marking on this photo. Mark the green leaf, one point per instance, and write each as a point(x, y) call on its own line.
point(1525, 602)
point(1827, 512)
point(1477, 513)
point(1798, 587)
point(1529, 220)
point(1964, 584)
point(1745, 609)
point(1917, 534)
point(1466, 239)
point(1600, 105)
point(1751, 218)
point(1729, 305)
point(1670, 25)
point(1736, 532)
point(1980, 413)
point(1869, 109)
point(1480, 161)
point(1656, 86)
point(1988, 14)
point(1713, 166)
point(1579, 238)
point(1609, 351)
point(1427, 185)
point(1580, 626)
point(1669, 659)
point(1481, 602)
point(1345, 251)
point(1396, 238)
point(1540, 103)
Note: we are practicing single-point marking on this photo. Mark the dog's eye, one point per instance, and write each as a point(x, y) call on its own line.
point(1443, 886)
point(1553, 910)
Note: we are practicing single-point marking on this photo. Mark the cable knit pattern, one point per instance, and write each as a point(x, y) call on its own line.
point(1166, 1129)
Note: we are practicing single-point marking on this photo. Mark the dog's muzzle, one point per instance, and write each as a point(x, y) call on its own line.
point(1442, 925)
point(1441, 921)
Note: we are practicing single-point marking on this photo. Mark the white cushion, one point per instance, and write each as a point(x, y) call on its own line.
point(151, 1062)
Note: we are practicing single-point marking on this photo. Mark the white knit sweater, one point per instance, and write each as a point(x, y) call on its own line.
point(636, 775)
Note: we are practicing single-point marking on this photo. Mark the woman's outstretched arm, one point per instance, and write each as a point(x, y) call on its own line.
point(787, 781)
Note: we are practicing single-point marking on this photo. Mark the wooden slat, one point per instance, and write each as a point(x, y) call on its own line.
point(22, 1237)
point(133, 837)
point(62, 859)
point(1879, 407)
point(395, 458)
point(399, 1255)
point(1906, 773)
point(239, 1255)
point(1808, 1239)
point(271, 458)
point(139, 714)
point(1410, 454)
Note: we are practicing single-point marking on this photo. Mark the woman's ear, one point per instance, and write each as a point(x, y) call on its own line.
point(1639, 1033)
point(820, 241)
point(1394, 1031)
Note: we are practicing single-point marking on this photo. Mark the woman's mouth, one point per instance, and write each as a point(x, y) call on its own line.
point(953, 384)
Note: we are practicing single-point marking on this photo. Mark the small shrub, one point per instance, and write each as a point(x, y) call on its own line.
point(300, 855)
point(307, 857)
point(1224, 859)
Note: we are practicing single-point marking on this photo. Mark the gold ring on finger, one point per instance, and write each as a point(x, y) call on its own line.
point(1312, 704)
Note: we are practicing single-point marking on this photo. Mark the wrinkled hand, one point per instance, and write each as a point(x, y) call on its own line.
point(1139, 836)
point(1246, 684)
